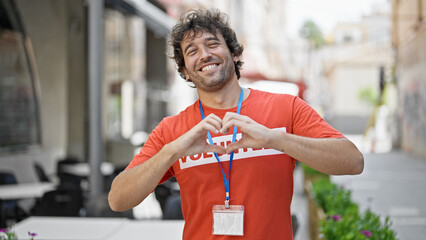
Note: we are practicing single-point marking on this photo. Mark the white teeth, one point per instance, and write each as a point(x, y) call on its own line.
point(206, 68)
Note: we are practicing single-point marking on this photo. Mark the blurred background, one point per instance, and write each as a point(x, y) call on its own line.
point(83, 82)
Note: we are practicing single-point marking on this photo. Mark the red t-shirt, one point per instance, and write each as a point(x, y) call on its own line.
point(261, 179)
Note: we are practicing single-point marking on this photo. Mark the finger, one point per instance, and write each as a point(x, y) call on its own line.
point(231, 115)
point(216, 148)
point(233, 119)
point(213, 119)
point(210, 123)
point(217, 123)
point(227, 126)
point(212, 127)
point(234, 146)
point(213, 116)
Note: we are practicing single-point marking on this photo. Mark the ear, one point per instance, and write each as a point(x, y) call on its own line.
point(186, 73)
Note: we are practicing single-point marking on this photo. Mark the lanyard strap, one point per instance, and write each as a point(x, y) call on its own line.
point(234, 138)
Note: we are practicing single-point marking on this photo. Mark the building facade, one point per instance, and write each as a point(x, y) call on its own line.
point(409, 38)
point(137, 78)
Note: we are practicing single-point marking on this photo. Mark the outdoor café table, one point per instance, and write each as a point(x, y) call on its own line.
point(79, 228)
point(24, 190)
point(21, 191)
point(83, 169)
point(149, 229)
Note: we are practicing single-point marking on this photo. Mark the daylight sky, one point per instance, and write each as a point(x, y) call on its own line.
point(326, 13)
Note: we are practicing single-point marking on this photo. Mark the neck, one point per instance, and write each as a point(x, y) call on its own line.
point(225, 98)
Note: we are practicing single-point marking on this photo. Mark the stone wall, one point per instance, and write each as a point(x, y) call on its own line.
point(409, 34)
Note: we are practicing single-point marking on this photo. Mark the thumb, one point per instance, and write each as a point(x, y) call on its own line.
point(233, 146)
point(216, 149)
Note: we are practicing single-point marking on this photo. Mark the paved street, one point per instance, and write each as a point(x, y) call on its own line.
point(392, 184)
point(299, 206)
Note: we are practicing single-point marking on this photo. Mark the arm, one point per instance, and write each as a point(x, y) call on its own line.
point(132, 186)
point(328, 155)
point(335, 156)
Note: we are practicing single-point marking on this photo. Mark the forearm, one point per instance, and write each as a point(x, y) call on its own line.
point(132, 186)
point(327, 155)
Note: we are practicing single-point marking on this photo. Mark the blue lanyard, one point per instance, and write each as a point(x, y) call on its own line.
point(234, 138)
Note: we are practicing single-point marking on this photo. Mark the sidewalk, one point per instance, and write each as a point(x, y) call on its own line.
point(392, 184)
point(299, 205)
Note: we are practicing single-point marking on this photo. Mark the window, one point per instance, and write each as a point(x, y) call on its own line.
point(124, 73)
point(19, 111)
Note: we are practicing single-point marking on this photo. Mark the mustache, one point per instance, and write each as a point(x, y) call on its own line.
point(210, 59)
point(206, 63)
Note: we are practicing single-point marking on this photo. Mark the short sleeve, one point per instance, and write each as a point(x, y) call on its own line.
point(151, 147)
point(308, 123)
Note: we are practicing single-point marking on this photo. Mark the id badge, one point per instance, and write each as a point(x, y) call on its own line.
point(228, 221)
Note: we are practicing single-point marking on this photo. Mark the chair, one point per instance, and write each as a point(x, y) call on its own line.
point(173, 208)
point(60, 202)
point(7, 178)
point(98, 207)
point(295, 224)
point(68, 180)
point(10, 208)
point(41, 174)
point(164, 191)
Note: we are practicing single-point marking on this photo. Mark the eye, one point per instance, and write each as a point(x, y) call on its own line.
point(213, 44)
point(191, 51)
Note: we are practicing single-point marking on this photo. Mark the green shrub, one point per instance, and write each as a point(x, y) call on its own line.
point(343, 221)
point(313, 174)
point(332, 199)
point(6, 234)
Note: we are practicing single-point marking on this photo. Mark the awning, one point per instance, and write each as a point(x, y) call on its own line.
point(156, 20)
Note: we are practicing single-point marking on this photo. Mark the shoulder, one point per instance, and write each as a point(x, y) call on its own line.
point(259, 96)
point(280, 98)
point(174, 126)
point(188, 112)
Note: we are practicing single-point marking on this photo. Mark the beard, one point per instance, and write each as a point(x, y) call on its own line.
point(217, 79)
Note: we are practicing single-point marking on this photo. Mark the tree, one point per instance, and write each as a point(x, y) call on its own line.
point(312, 33)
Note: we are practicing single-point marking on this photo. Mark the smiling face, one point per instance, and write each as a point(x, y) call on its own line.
point(208, 62)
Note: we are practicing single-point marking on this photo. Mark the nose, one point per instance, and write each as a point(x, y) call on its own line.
point(205, 54)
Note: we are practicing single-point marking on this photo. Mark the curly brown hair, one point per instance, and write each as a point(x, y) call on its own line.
point(197, 21)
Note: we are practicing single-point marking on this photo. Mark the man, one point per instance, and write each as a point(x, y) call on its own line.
point(246, 193)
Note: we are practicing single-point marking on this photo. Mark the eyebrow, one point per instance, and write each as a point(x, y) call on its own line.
point(186, 48)
point(207, 39)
